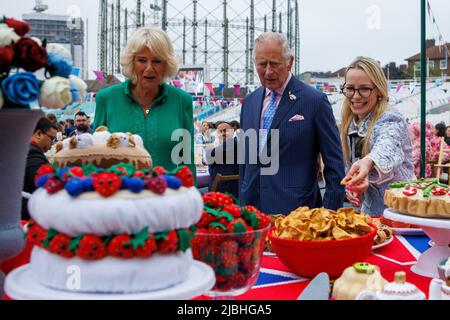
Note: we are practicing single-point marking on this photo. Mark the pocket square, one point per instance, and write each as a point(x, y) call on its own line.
point(297, 117)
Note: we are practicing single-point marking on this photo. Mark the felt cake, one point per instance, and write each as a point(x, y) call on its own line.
point(115, 230)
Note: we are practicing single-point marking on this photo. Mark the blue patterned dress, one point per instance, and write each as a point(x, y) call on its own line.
point(390, 149)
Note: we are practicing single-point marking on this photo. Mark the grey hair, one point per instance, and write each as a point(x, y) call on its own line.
point(158, 42)
point(274, 37)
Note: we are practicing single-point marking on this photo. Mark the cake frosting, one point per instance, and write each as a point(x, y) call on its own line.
point(122, 229)
point(422, 198)
point(102, 149)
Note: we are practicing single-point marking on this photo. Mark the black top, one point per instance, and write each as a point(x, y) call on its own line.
point(35, 160)
point(226, 165)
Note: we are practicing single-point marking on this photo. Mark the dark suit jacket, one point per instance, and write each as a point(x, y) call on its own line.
point(35, 160)
point(228, 166)
point(300, 142)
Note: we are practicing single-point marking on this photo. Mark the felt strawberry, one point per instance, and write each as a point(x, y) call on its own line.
point(60, 245)
point(229, 246)
point(44, 169)
point(224, 218)
point(234, 210)
point(217, 200)
point(53, 185)
point(167, 242)
point(160, 171)
point(239, 226)
point(216, 230)
point(91, 247)
point(199, 241)
point(238, 280)
point(138, 174)
point(36, 235)
point(186, 176)
point(120, 246)
point(206, 219)
point(157, 185)
point(262, 221)
point(107, 183)
point(245, 255)
point(229, 260)
point(76, 172)
point(144, 243)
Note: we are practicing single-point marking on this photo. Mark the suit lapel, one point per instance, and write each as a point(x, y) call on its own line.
point(259, 98)
point(286, 103)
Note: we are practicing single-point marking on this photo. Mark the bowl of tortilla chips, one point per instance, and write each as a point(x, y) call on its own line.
point(310, 241)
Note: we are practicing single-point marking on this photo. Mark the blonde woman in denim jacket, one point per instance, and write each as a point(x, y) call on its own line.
point(375, 138)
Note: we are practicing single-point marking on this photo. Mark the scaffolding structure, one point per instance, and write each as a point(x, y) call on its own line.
point(216, 33)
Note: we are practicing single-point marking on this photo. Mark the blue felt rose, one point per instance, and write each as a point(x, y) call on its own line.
point(57, 65)
point(21, 88)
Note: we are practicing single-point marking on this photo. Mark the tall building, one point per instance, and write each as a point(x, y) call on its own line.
point(63, 30)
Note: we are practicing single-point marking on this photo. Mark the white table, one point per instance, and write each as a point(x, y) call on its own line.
point(21, 284)
point(439, 232)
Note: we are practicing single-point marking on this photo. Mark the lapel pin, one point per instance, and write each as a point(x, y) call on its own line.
point(292, 97)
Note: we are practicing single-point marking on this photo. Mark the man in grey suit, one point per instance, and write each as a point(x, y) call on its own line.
point(294, 123)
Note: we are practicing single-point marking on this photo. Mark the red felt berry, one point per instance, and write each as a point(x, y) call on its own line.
point(205, 220)
point(229, 260)
point(91, 247)
point(160, 171)
point(53, 185)
point(76, 172)
point(36, 235)
point(107, 183)
point(138, 174)
point(234, 210)
point(157, 185)
point(167, 242)
point(44, 169)
point(186, 176)
point(120, 247)
point(245, 255)
point(60, 245)
point(238, 280)
point(229, 246)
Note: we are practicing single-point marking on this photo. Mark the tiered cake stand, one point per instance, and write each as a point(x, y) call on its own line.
point(21, 285)
point(439, 232)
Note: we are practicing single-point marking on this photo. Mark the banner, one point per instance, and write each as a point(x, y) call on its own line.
point(210, 88)
point(221, 86)
point(237, 89)
point(99, 75)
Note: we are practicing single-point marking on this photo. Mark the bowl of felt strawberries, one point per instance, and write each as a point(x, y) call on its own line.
point(231, 240)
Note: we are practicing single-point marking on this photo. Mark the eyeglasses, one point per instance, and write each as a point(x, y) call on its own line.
point(53, 139)
point(363, 92)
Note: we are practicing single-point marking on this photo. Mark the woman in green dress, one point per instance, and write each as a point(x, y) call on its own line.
point(146, 105)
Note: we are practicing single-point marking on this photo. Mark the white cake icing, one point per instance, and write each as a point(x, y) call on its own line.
point(124, 212)
point(110, 275)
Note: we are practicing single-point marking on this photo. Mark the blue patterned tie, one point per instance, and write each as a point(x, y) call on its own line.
point(267, 118)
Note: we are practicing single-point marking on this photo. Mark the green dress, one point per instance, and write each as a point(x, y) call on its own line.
point(117, 109)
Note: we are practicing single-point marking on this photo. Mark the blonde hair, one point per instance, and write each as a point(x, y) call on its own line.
point(373, 70)
point(158, 42)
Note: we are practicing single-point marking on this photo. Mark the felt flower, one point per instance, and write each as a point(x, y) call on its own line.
point(55, 93)
point(59, 66)
point(6, 59)
point(79, 84)
point(20, 27)
point(29, 55)
point(7, 35)
point(21, 88)
point(60, 49)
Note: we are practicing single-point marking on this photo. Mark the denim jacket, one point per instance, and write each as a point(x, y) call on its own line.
point(390, 149)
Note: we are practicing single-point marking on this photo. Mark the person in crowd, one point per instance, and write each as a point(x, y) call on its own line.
point(89, 123)
point(43, 137)
point(146, 105)
point(204, 136)
point(69, 127)
point(81, 124)
point(440, 129)
point(306, 126)
point(447, 135)
point(377, 149)
point(224, 160)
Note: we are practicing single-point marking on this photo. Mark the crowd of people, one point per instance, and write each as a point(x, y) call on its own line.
point(293, 121)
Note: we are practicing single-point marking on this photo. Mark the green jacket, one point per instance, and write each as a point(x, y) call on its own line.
point(117, 109)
